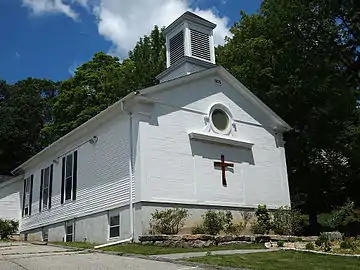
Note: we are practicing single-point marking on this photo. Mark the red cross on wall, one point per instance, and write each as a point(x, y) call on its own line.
point(223, 165)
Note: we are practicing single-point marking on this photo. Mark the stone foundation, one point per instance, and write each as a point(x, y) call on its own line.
point(204, 240)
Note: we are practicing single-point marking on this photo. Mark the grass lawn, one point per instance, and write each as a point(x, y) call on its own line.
point(154, 250)
point(275, 260)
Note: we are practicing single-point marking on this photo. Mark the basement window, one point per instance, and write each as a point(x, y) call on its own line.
point(70, 228)
point(114, 224)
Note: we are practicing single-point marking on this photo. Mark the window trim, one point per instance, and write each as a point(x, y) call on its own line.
point(227, 112)
point(111, 214)
point(27, 196)
point(68, 224)
point(73, 177)
point(42, 199)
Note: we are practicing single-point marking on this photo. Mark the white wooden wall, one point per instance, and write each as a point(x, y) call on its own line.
point(177, 169)
point(10, 199)
point(103, 176)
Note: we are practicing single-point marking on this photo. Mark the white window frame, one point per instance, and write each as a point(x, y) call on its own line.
point(68, 224)
point(71, 177)
point(45, 199)
point(225, 110)
point(27, 196)
point(114, 213)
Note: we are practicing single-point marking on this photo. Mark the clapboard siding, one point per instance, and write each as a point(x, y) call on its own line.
point(10, 199)
point(103, 176)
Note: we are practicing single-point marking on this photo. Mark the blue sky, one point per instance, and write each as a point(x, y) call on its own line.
point(49, 38)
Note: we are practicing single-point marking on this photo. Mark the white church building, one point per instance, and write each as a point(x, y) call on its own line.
point(198, 140)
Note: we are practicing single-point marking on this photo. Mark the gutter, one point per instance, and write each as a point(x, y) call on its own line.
point(131, 206)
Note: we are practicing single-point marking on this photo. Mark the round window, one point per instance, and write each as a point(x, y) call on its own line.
point(220, 119)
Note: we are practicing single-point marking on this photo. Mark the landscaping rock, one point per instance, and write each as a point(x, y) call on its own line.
point(262, 238)
point(333, 236)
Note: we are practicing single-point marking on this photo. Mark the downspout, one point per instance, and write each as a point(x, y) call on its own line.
point(131, 206)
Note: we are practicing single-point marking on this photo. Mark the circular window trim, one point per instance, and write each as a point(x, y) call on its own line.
point(224, 109)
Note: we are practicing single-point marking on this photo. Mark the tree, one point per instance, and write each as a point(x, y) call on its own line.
point(291, 55)
point(24, 108)
point(104, 80)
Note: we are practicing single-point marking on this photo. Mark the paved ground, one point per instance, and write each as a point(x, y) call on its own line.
point(30, 257)
point(177, 256)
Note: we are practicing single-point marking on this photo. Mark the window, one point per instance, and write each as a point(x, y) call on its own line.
point(46, 188)
point(69, 228)
point(27, 196)
point(220, 119)
point(69, 177)
point(114, 224)
point(45, 234)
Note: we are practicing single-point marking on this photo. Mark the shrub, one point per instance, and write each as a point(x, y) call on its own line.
point(8, 227)
point(213, 222)
point(280, 243)
point(310, 246)
point(349, 244)
point(168, 221)
point(230, 227)
point(262, 224)
point(323, 241)
point(198, 229)
point(286, 221)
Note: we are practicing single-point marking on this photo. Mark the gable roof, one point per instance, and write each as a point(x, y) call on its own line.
point(119, 106)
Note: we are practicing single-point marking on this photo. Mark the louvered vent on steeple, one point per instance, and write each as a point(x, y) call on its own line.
point(189, 46)
point(177, 49)
point(200, 45)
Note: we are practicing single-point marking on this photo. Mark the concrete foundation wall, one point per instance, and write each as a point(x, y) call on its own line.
point(195, 214)
point(93, 228)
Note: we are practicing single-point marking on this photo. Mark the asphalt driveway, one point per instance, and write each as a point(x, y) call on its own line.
point(25, 256)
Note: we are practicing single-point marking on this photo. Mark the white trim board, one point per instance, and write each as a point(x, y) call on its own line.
point(219, 139)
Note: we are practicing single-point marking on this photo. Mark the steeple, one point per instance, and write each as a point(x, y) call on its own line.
point(189, 46)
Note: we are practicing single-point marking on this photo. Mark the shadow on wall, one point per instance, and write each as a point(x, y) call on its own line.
point(214, 151)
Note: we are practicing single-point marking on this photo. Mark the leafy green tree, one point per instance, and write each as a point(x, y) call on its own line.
point(104, 80)
point(24, 108)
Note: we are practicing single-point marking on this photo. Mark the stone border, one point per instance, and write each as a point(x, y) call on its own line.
point(205, 240)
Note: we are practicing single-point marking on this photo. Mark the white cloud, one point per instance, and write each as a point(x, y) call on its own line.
point(40, 7)
point(123, 22)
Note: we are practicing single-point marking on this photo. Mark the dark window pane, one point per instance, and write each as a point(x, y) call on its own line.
point(220, 119)
point(69, 238)
point(26, 210)
point(68, 188)
point(114, 231)
point(69, 165)
point(46, 177)
point(69, 229)
point(45, 197)
point(114, 220)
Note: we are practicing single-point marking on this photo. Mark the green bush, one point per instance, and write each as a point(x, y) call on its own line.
point(168, 221)
point(345, 219)
point(230, 227)
point(258, 228)
point(280, 243)
point(262, 225)
point(213, 222)
point(349, 243)
point(310, 246)
point(286, 221)
point(198, 229)
point(8, 227)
